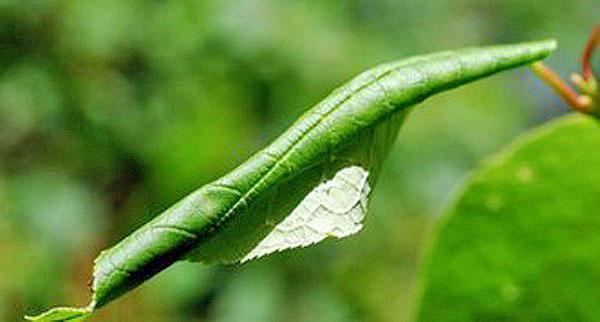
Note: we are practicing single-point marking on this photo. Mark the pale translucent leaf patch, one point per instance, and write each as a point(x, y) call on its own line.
point(335, 208)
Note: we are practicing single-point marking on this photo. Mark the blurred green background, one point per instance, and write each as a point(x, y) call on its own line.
point(112, 110)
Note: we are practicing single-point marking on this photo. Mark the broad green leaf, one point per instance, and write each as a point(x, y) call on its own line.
point(521, 243)
point(311, 183)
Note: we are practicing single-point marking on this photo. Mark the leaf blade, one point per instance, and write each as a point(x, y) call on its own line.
point(521, 232)
point(371, 105)
point(62, 314)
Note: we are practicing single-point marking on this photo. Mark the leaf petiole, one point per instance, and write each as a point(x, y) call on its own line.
point(588, 101)
point(581, 103)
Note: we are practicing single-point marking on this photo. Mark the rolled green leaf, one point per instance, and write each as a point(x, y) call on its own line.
point(311, 183)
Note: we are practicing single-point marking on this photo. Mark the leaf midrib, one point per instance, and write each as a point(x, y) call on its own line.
point(243, 199)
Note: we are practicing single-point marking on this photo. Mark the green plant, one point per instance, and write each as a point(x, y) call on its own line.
point(520, 243)
point(311, 183)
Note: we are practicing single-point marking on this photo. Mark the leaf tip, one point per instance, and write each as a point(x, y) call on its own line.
point(62, 314)
point(544, 47)
point(550, 44)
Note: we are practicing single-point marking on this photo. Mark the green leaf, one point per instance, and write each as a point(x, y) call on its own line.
point(311, 183)
point(62, 314)
point(521, 243)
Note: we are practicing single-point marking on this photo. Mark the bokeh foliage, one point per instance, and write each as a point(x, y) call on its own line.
point(112, 110)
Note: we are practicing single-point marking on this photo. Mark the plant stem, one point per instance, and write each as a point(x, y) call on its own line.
point(588, 50)
point(581, 103)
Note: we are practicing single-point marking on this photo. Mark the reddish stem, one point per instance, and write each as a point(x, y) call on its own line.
point(588, 51)
point(580, 103)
